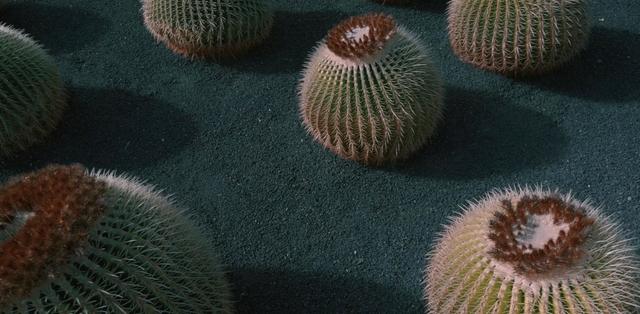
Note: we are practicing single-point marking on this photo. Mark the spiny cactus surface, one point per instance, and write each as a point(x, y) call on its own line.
point(370, 92)
point(532, 251)
point(518, 36)
point(208, 29)
point(32, 97)
point(73, 241)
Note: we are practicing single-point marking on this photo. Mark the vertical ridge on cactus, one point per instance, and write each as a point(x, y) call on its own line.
point(108, 244)
point(32, 96)
point(519, 36)
point(370, 92)
point(208, 29)
point(532, 251)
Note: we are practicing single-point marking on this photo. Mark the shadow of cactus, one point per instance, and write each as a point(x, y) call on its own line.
point(606, 71)
point(277, 291)
point(112, 128)
point(481, 136)
point(60, 29)
point(298, 32)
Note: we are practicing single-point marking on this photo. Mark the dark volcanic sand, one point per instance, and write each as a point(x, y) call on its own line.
point(300, 229)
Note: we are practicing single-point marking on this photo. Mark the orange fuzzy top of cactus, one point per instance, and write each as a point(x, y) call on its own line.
point(65, 204)
point(559, 253)
point(344, 40)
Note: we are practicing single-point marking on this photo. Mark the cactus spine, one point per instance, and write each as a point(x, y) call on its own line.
point(208, 29)
point(370, 92)
point(532, 251)
point(517, 36)
point(94, 242)
point(32, 97)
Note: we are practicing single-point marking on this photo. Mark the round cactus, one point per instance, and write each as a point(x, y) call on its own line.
point(370, 92)
point(518, 37)
point(72, 241)
point(532, 251)
point(208, 29)
point(32, 96)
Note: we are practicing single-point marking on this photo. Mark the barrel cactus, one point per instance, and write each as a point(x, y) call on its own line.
point(32, 96)
point(518, 37)
point(208, 29)
point(370, 92)
point(532, 251)
point(73, 241)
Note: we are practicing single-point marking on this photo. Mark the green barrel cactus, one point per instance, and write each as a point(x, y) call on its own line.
point(73, 241)
point(370, 92)
point(532, 251)
point(518, 37)
point(32, 96)
point(208, 29)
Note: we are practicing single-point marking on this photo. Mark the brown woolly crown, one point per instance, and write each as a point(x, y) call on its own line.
point(377, 30)
point(64, 203)
point(565, 251)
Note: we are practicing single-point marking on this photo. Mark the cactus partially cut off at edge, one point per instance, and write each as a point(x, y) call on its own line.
point(208, 29)
point(78, 242)
point(32, 96)
point(370, 92)
point(532, 251)
point(518, 37)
